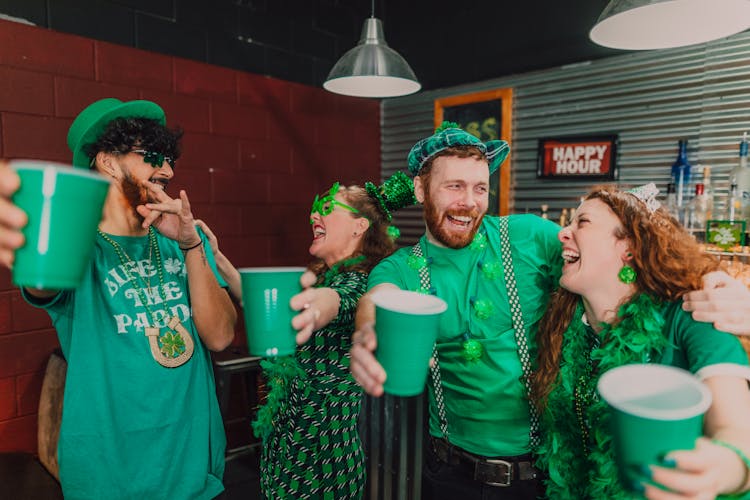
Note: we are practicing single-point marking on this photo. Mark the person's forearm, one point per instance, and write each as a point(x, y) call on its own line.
point(230, 274)
point(214, 315)
point(365, 311)
point(739, 439)
point(366, 307)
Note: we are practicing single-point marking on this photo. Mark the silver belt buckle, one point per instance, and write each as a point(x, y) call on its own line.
point(508, 473)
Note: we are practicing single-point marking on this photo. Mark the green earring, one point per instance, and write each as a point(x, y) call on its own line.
point(627, 274)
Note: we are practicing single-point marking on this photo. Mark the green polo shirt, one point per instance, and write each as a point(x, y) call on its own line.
point(485, 400)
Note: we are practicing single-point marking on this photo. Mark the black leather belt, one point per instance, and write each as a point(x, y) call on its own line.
point(493, 471)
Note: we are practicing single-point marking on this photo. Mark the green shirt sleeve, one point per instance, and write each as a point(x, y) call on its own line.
point(350, 286)
point(696, 345)
point(389, 270)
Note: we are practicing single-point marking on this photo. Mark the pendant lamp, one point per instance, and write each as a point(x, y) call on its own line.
point(372, 68)
point(663, 24)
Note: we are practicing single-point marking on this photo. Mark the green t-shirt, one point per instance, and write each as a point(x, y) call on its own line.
point(132, 428)
point(699, 347)
point(694, 346)
point(485, 400)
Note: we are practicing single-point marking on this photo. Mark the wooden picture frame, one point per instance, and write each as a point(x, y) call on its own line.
point(487, 115)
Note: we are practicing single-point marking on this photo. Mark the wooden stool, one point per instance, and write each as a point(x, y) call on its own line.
point(227, 364)
point(22, 476)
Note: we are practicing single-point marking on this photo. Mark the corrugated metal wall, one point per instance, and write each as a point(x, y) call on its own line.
point(650, 99)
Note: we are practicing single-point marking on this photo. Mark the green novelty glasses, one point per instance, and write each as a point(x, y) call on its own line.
point(327, 203)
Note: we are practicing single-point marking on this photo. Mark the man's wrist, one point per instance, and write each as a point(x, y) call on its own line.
point(187, 248)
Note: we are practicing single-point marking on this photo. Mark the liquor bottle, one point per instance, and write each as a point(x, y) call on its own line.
point(564, 217)
point(708, 190)
point(734, 204)
point(740, 176)
point(681, 176)
point(671, 203)
point(699, 210)
point(544, 214)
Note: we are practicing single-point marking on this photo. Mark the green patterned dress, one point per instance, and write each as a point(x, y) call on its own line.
point(313, 449)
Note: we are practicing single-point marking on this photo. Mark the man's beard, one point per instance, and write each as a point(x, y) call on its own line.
point(437, 229)
point(134, 194)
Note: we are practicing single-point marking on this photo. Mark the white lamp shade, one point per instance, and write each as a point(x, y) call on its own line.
point(372, 68)
point(662, 24)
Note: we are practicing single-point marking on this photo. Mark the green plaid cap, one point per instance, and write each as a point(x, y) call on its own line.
point(444, 138)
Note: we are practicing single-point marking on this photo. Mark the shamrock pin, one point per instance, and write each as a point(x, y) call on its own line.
point(483, 308)
point(471, 349)
point(172, 344)
point(479, 242)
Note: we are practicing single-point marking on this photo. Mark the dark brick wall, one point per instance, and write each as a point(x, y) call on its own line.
point(292, 40)
point(256, 150)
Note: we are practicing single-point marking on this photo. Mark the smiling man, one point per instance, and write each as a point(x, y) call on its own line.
point(481, 427)
point(140, 416)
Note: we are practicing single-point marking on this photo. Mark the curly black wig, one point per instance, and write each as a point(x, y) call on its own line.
point(124, 134)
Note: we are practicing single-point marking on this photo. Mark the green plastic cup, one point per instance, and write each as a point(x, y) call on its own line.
point(407, 326)
point(654, 409)
point(266, 292)
point(64, 206)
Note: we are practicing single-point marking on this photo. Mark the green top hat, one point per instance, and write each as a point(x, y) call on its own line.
point(93, 120)
point(449, 135)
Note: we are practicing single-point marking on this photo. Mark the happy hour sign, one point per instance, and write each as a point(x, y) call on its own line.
point(578, 157)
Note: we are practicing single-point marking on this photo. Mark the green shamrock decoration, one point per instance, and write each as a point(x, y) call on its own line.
point(479, 242)
point(471, 349)
point(416, 262)
point(483, 308)
point(492, 270)
point(153, 158)
point(172, 345)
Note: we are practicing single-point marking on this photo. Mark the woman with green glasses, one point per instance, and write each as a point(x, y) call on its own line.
point(311, 446)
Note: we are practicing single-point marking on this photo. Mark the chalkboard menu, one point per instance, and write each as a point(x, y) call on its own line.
point(486, 115)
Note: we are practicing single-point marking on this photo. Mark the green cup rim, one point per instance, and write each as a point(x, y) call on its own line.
point(271, 269)
point(42, 165)
point(403, 301)
point(657, 377)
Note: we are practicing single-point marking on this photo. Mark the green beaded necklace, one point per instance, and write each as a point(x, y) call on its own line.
point(176, 346)
point(483, 309)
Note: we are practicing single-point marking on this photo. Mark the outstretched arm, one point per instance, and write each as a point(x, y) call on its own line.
point(318, 306)
point(712, 469)
point(364, 367)
point(226, 269)
point(12, 218)
point(723, 301)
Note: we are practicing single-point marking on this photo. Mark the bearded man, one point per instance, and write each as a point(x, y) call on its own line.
point(140, 416)
point(496, 274)
point(480, 426)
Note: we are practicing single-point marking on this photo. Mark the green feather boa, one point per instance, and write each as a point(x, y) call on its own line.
point(279, 373)
point(583, 467)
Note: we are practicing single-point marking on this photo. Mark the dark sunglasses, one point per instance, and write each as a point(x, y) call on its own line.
point(155, 159)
